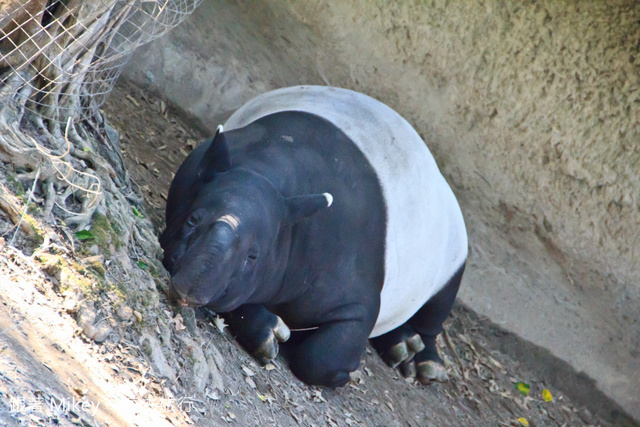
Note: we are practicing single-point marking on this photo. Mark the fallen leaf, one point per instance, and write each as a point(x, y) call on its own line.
point(80, 391)
point(84, 235)
point(214, 395)
point(523, 388)
point(546, 395)
point(251, 382)
point(248, 372)
point(136, 212)
point(317, 396)
point(219, 323)
point(523, 421)
point(133, 101)
point(179, 323)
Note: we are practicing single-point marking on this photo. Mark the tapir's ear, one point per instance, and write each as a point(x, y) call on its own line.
point(299, 207)
point(216, 159)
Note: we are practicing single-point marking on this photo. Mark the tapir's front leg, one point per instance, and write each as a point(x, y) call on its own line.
point(330, 353)
point(258, 330)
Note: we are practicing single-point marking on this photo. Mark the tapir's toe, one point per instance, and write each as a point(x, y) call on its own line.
point(408, 369)
point(403, 351)
point(268, 349)
point(430, 370)
point(425, 372)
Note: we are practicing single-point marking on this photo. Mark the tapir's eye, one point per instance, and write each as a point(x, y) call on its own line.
point(252, 255)
point(192, 221)
point(250, 260)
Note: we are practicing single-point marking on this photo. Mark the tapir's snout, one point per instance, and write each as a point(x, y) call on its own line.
point(184, 300)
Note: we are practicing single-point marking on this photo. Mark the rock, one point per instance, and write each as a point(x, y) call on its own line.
point(124, 312)
point(86, 316)
point(201, 368)
point(153, 349)
point(189, 319)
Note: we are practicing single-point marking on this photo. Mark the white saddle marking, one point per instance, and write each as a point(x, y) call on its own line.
point(426, 240)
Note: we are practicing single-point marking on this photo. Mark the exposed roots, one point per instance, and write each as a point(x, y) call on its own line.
point(72, 181)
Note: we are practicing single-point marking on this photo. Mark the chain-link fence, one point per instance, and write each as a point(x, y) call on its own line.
point(60, 58)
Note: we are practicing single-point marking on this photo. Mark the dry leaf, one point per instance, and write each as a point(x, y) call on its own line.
point(219, 323)
point(214, 395)
point(317, 396)
point(178, 321)
point(251, 382)
point(133, 101)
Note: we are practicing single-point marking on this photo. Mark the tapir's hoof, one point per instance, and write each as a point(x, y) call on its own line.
point(268, 350)
point(408, 369)
point(430, 370)
point(403, 351)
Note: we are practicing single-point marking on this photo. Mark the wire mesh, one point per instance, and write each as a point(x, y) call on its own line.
point(61, 58)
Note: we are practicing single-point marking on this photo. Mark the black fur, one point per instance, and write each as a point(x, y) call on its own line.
point(312, 265)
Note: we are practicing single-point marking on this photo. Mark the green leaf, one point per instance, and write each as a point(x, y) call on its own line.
point(84, 235)
point(142, 264)
point(136, 212)
point(523, 388)
point(546, 395)
point(86, 149)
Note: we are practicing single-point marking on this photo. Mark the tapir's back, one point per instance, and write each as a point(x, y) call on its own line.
point(426, 241)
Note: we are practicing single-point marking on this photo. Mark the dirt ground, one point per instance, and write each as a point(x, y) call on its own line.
point(52, 374)
point(163, 367)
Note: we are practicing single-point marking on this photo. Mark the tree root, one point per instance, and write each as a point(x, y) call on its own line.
point(10, 204)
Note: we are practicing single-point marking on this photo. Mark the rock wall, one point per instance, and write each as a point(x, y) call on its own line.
point(531, 109)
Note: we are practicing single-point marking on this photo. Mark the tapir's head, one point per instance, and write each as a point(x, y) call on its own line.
point(223, 228)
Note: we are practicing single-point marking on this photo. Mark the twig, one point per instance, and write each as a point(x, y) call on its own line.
point(13, 327)
point(33, 189)
point(452, 348)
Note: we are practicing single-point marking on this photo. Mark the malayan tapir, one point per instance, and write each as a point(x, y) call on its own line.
point(319, 209)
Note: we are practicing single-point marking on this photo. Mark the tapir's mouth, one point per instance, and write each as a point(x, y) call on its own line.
point(185, 300)
point(188, 302)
